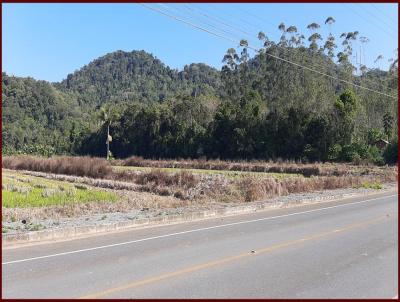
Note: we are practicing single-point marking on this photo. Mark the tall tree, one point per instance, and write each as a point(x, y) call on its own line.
point(107, 115)
point(283, 41)
point(314, 37)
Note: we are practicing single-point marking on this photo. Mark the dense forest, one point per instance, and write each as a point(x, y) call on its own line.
point(256, 107)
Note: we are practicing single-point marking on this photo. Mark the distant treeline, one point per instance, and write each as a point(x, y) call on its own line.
point(254, 108)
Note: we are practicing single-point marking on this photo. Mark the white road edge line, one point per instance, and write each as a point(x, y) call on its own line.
point(189, 231)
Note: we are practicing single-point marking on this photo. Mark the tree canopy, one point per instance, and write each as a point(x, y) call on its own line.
point(254, 107)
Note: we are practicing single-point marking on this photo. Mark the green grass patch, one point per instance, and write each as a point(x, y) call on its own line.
point(29, 191)
point(228, 173)
point(371, 185)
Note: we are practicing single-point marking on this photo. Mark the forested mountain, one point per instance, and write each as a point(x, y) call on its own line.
point(36, 116)
point(47, 117)
point(261, 106)
point(137, 76)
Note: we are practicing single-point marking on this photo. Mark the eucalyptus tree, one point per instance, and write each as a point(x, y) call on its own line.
point(283, 41)
point(300, 40)
point(243, 67)
point(378, 59)
point(262, 37)
point(314, 37)
point(348, 40)
point(330, 44)
point(229, 72)
point(345, 44)
point(313, 26)
point(330, 21)
point(364, 41)
point(363, 69)
point(292, 30)
point(267, 43)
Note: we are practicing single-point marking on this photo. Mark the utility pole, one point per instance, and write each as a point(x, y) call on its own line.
point(108, 140)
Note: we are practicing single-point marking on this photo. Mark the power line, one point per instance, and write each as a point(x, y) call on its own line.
point(268, 54)
point(276, 57)
point(221, 22)
point(242, 20)
point(389, 25)
point(383, 12)
point(314, 65)
point(285, 50)
point(369, 21)
point(201, 21)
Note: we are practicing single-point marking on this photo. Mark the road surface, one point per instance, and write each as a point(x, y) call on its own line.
point(338, 249)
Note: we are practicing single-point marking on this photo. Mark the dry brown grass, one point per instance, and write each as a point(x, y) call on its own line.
point(182, 179)
point(314, 169)
point(68, 165)
point(253, 189)
point(167, 184)
point(156, 181)
point(160, 189)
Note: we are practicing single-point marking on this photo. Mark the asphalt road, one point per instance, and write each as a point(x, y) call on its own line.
point(338, 249)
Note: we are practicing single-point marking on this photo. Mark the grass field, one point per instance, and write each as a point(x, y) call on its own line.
point(228, 173)
point(74, 186)
point(20, 190)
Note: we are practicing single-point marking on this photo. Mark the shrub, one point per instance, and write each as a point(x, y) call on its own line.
point(348, 153)
point(136, 161)
point(391, 153)
point(159, 178)
point(374, 135)
point(375, 155)
point(334, 152)
point(362, 150)
point(40, 150)
point(311, 153)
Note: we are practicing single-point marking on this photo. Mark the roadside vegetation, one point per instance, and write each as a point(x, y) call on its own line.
point(126, 132)
point(73, 186)
point(20, 191)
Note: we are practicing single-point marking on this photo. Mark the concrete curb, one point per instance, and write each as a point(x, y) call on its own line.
point(9, 240)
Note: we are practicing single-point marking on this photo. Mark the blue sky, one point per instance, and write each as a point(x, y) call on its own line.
point(49, 41)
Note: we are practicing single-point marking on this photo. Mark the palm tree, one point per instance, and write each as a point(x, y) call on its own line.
point(107, 116)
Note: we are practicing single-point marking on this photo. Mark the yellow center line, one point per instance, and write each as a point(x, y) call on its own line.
point(229, 259)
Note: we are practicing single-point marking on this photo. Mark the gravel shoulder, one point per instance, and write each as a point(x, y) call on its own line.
point(109, 218)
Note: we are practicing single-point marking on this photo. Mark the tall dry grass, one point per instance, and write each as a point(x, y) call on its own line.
point(67, 165)
point(253, 189)
point(187, 185)
point(315, 169)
